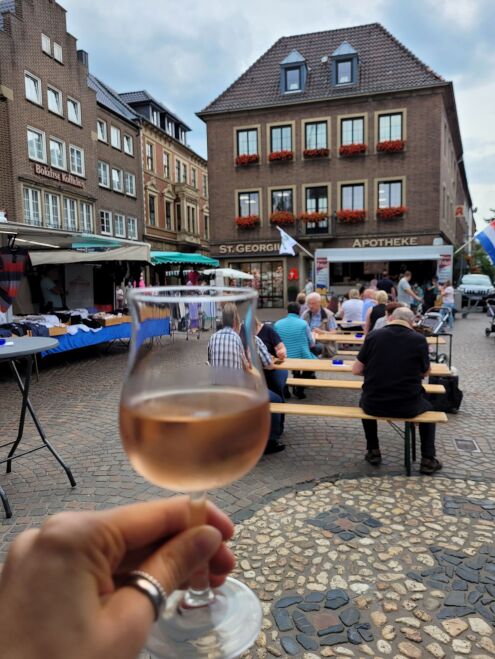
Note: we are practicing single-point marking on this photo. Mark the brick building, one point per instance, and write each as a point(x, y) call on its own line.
point(47, 116)
point(347, 141)
point(119, 206)
point(175, 179)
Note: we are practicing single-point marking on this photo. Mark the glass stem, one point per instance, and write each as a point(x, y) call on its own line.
point(199, 592)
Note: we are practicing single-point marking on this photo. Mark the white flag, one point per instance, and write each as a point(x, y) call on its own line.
point(286, 243)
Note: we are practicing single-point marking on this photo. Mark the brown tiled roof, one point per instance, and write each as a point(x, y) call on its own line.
point(385, 65)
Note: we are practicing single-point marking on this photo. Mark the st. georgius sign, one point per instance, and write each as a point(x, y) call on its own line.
point(239, 249)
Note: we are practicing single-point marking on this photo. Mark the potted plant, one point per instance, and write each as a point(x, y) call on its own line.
point(391, 146)
point(316, 153)
point(281, 156)
point(248, 222)
point(282, 218)
point(353, 149)
point(390, 213)
point(312, 216)
point(246, 159)
point(350, 216)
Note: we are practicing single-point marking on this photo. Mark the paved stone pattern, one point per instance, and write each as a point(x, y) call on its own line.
point(420, 585)
point(477, 508)
point(77, 402)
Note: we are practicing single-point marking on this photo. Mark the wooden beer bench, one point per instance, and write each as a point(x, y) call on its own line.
point(350, 384)
point(339, 412)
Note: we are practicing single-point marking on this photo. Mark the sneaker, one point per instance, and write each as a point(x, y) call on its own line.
point(429, 466)
point(373, 456)
point(273, 446)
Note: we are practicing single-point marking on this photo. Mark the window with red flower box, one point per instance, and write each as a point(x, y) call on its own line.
point(248, 222)
point(391, 213)
point(353, 149)
point(391, 146)
point(247, 159)
point(312, 217)
point(280, 218)
point(281, 156)
point(316, 153)
point(351, 217)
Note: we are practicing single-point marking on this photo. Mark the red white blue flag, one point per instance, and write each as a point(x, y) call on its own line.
point(486, 238)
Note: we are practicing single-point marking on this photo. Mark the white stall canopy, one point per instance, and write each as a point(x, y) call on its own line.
point(229, 273)
point(362, 254)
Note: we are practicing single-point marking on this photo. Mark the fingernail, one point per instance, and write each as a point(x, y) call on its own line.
point(207, 540)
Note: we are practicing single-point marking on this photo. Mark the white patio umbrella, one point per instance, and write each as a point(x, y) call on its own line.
point(228, 273)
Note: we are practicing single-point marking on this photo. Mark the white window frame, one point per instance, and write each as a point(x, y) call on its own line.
point(65, 204)
point(101, 122)
point(77, 103)
point(149, 148)
point(184, 173)
point(39, 97)
point(121, 179)
point(106, 167)
point(60, 106)
point(166, 164)
point(115, 130)
point(45, 39)
point(116, 218)
point(128, 176)
point(43, 143)
point(82, 171)
point(132, 221)
point(83, 207)
point(28, 216)
point(108, 216)
point(128, 139)
point(64, 153)
point(48, 210)
point(58, 53)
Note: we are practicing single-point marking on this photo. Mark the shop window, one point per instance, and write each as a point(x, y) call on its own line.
point(32, 206)
point(268, 281)
point(106, 222)
point(247, 142)
point(52, 210)
point(248, 204)
point(86, 216)
point(352, 197)
point(390, 127)
point(389, 194)
point(70, 214)
point(280, 138)
point(132, 231)
point(119, 225)
point(352, 131)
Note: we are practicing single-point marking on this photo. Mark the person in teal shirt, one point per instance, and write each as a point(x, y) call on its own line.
point(297, 338)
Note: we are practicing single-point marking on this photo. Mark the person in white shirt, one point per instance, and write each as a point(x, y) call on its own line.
point(309, 287)
point(351, 310)
point(405, 293)
point(448, 301)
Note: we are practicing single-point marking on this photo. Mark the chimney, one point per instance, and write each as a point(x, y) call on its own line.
point(83, 57)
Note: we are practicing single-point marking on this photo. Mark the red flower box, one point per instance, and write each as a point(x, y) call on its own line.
point(280, 156)
point(351, 217)
point(391, 213)
point(245, 160)
point(391, 146)
point(282, 218)
point(248, 222)
point(312, 217)
point(353, 149)
point(316, 153)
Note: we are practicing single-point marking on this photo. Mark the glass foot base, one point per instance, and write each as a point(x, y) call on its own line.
point(222, 630)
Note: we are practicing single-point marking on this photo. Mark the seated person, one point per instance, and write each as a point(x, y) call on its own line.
point(369, 301)
point(351, 310)
point(375, 312)
point(320, 319)
point(297, 338)
point(389, 310)
point(394, 362)
point(301, 301)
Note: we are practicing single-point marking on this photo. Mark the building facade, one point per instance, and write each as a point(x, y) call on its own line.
point(175, 180)
point(119, 207)
point(343, 139)
point(48, 176)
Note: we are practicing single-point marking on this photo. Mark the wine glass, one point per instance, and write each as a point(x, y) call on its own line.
point(189, 425)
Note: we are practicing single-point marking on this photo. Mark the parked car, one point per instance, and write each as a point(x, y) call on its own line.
point(476, 287)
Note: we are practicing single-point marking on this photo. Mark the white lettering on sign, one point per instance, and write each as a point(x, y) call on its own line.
point(407, 241)
point(249, 248)
point(63, 177)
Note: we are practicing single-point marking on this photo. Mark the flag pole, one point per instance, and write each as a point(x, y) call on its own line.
point(463, 246)
point(312, 256)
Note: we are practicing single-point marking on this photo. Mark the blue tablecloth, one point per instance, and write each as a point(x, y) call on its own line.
point(83, 339)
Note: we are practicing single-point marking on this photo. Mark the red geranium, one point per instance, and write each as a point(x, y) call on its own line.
point(391, 146)
point(353, 149)
point(390, 213)
point(248, 222)
point(316, 153)
point(282, 217)
point(244, 160)
point(312, 217)
point(351, 217)
point(281, 155)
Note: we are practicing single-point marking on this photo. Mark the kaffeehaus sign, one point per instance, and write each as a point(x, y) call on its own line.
point(55, 175)
point(240, 249)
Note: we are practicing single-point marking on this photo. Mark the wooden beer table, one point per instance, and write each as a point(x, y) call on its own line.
point(326, 366)
point(351, 338)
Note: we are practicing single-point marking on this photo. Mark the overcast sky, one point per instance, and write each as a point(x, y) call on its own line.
point(185, 53)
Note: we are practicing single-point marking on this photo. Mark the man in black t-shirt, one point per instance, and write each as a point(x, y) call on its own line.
point(386, 284)
point(394, 360)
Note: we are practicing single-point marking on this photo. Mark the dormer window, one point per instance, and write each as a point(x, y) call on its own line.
point(345, 65)
point(293, 73)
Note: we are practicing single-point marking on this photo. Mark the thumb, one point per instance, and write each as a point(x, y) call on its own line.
point(129, 613)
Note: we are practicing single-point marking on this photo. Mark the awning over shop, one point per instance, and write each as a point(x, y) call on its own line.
point(139, 252)
point(229, 273)
point(180, 258)
point(369, 254)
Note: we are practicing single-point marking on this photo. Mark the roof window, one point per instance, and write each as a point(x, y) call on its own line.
point(293, 73)
point(345, 65)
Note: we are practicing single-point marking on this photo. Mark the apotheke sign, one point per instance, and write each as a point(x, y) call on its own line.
point(407, 241)
point(62, 177)
point(249, 248)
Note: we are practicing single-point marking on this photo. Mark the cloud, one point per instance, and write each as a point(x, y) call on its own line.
point(186, 53)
